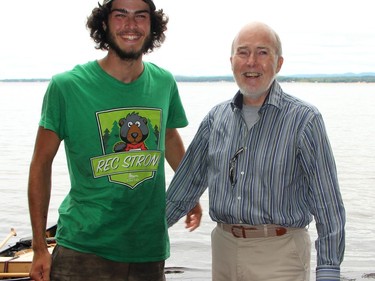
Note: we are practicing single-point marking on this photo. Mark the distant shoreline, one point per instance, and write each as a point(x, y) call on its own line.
point(314, 78)
point(299, 78)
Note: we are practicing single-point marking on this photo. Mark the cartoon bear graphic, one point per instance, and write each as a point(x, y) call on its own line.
point(133, 132)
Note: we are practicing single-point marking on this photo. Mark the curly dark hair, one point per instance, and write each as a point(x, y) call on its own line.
point(100, 15)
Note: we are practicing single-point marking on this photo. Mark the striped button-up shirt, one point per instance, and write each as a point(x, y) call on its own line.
point(280, 171)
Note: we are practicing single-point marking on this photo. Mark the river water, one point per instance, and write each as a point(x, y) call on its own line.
point(348, 111)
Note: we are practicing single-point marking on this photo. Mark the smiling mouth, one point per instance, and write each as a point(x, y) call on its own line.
point(130, 36)
point(252, 74)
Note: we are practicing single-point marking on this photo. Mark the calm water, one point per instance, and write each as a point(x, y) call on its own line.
point(348, 110)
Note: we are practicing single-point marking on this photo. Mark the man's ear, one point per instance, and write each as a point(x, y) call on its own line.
point(280, 61)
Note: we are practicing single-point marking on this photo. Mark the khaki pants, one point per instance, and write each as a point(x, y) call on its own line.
point(70, 265)
point(281, 258)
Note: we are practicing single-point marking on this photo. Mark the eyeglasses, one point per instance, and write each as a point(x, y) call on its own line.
point(232, 167)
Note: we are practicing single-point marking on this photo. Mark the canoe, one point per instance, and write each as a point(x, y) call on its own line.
point(15, 261)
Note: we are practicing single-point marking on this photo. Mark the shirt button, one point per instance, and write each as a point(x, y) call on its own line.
point(239, 197)
point(242, 172)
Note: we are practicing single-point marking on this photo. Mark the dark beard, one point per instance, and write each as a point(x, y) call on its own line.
point(125, 55)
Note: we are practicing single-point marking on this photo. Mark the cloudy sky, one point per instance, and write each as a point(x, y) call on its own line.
point(42, 37)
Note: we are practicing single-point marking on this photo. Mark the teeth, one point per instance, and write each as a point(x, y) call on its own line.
point(131, 37)
point(251, 74)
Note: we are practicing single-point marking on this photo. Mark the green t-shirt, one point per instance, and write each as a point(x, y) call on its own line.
point(114, 136)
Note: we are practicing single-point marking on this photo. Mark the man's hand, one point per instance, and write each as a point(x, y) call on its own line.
point(41, 266)
point(193, 218)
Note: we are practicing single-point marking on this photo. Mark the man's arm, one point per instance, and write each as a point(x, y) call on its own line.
point(39, 191)
point(174, 148)
point(326, 202)
point(174, 152)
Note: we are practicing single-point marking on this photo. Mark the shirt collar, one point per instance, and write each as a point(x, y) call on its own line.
point(237, 101)
point(273, 98)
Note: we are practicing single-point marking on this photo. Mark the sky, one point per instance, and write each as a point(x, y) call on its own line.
point(43, 37)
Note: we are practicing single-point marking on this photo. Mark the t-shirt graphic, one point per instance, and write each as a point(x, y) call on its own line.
point(130, 139)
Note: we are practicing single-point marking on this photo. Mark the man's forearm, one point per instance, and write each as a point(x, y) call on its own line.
point(39, 192)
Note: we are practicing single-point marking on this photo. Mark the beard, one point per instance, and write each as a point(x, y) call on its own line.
point(128, 55)
point(253, 94)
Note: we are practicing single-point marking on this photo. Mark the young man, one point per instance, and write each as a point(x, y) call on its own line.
point(267, 162)
point(118, 118)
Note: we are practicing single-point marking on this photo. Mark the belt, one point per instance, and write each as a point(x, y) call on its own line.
point(256, 231)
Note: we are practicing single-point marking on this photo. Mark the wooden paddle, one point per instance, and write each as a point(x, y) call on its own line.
point(13, 274)
point(12, 233)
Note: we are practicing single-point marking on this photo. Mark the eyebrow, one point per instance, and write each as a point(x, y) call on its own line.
point(128, 12)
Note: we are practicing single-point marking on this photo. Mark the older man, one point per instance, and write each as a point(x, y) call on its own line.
point(266, 159)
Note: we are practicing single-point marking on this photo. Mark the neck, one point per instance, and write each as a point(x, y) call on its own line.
point(125, 71)
point(256, 102)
